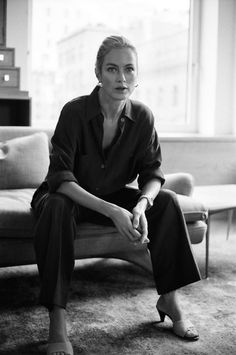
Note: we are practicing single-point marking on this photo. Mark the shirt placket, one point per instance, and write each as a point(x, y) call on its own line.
point(99, 137)
point(108, 161)
point(113, 150)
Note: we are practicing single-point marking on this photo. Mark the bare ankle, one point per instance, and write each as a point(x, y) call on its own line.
point(57, 327)
point(57, 310)
point(168, 302)
point(169, 295)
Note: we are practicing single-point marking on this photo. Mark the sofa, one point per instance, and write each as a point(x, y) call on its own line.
point(24, 159)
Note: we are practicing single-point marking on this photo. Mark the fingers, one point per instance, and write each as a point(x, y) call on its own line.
point(136, 217)
point(132, 226)
point(140, 223)
point(132, 234)
point(144, 228)
point(127, 230)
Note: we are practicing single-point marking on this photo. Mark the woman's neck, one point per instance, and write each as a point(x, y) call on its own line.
point(111, 109)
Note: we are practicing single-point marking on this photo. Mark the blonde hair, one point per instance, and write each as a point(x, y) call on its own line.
point(107, 45)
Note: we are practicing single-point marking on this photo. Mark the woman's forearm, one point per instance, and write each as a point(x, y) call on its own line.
point(86, 199)
point(150, 189)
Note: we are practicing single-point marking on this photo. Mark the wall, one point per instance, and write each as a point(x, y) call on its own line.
point(211, 160)
point(224, 111)
point(216, 109)
point(18, 36)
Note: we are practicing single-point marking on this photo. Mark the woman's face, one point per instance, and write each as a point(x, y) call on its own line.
point(119, 73)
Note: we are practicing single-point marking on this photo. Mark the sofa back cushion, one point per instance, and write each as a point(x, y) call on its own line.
point(24, 161)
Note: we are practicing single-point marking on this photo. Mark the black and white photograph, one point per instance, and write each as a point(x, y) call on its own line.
point(118, 177)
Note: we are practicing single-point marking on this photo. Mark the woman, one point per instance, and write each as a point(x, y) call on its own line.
point(102, 142)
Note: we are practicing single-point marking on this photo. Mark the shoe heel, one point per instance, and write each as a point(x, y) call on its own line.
point(162, 315)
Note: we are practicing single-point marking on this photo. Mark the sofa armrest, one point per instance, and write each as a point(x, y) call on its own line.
point(181, 183)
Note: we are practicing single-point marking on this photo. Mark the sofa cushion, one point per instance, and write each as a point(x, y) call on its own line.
point(24, 161)
point(193, 210)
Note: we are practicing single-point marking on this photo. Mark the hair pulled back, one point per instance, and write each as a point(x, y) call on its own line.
point(109, 43)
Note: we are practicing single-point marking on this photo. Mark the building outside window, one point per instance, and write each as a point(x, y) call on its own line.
point(63, 57)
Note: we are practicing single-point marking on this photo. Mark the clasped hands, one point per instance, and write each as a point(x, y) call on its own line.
point(132, 225)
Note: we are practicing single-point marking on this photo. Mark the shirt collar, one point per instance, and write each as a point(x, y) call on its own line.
point(94, 108)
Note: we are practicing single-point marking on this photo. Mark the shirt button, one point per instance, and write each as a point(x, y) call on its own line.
point(103, 166)
point(122, 120)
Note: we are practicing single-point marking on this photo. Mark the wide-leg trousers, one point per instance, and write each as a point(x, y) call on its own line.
point(58, 218)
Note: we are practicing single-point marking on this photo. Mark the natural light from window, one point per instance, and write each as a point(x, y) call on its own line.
point(65, 39)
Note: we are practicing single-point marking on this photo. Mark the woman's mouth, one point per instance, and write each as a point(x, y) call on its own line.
point(121, 88)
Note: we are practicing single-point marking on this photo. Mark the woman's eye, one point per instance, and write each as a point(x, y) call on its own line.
point(130, 69)
point(111, 70)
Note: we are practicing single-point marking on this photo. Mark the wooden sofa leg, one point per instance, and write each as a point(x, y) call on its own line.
point(140, 257)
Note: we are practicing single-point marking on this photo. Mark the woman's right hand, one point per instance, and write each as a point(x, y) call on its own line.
point(120, 216)
point(123, 222)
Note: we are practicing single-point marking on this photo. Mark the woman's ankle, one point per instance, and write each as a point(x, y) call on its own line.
point(168, 303)
point(57, 327)
point(169, 296)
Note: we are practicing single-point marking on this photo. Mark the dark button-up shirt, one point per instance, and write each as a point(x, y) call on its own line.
point(77, 153)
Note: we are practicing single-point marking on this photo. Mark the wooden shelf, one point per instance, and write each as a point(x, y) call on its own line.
point(15, 111)
point(14, 103)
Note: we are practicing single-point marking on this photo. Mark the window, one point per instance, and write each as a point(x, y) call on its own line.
point(63, 58)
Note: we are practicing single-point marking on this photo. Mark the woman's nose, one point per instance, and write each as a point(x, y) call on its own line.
point(121, 76)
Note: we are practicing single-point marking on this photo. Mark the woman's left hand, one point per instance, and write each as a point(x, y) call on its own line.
point(140, 222)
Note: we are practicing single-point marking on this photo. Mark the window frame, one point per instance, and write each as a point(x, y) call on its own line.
point(192, 86)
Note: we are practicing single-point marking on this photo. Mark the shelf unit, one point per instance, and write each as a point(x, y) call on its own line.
point(14, 103)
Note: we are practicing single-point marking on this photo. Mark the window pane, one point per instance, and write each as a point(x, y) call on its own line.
point(66, 37)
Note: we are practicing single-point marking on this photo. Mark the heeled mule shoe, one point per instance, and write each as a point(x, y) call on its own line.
point(182, 328)
point(60, 347)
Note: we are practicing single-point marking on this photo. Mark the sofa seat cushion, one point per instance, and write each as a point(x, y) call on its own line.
point(16, 217)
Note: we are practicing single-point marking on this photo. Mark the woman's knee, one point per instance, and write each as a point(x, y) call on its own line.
point(59, 202)
point(166, 196)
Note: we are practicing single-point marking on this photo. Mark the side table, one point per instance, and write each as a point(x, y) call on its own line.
point(216, 199)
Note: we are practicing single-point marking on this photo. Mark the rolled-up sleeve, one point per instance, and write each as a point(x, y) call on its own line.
point(150, 165)
point(64, 145)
